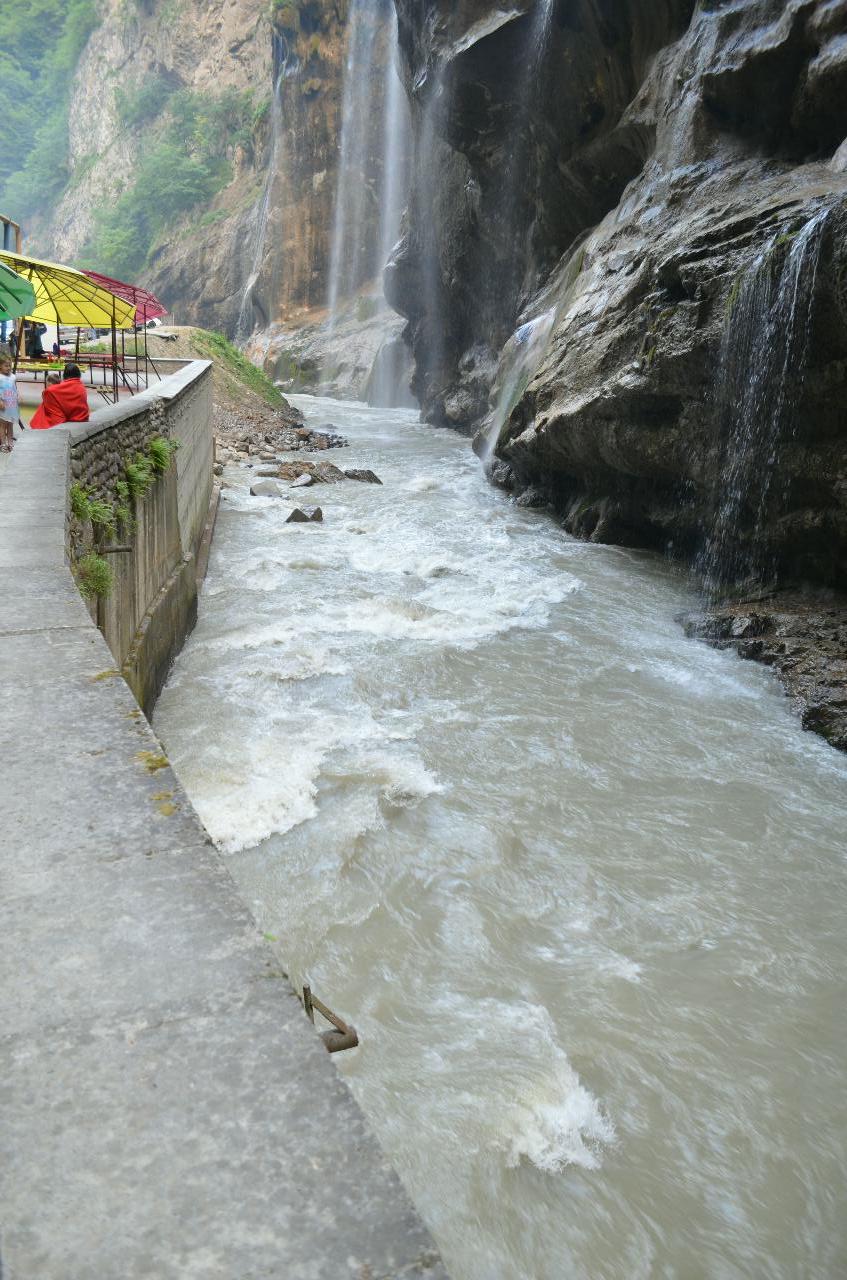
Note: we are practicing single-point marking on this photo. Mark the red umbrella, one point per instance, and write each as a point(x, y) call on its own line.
point(147, 305)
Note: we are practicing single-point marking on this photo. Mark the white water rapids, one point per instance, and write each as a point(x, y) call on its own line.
point(579, 882)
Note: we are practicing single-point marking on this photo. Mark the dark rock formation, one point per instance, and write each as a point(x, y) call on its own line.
point(521, 146)
point(305, 515)
point(670, 148)
point(625, 266)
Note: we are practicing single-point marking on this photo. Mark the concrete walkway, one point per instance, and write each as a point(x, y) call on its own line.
point(166, 1111)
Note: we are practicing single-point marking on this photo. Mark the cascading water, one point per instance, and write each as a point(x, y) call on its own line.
point(520, 358)
point(246, 315)
point(373, 173)
point(388, 384)
point(520, 163)
point(396, 143)
point(349, 264)
point(762, 371)
point(434, 108)
point(526, 348)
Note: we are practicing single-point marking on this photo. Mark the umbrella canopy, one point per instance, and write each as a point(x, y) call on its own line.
point(147, 305)
point(66, 296)
point(17, 296)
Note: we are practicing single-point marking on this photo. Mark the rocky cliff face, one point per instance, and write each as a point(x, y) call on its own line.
point(619, 210)
point(258, 259)
point(207, 48)
point(260, 248)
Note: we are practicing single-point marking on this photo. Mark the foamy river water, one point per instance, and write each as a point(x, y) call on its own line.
point(579, 882)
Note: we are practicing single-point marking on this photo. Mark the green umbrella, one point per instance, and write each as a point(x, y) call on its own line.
point(17, 296)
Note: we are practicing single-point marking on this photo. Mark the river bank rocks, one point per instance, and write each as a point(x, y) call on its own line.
point(803, 639)
point(243, 438)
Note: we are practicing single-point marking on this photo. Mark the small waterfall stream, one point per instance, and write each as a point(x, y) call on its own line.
point(348, 252)
point(396, 144)
point(521, 357)
point(760, 381)
point(373, 165)
point(246, 315)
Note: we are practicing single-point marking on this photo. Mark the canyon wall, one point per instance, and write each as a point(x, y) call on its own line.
point(620, 210)
point(256, 252)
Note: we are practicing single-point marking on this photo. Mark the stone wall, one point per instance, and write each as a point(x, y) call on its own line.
point(153, 603)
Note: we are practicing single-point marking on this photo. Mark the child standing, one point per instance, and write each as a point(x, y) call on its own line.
point(9, 408)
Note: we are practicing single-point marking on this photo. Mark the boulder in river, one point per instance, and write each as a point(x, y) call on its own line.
point(320, 472)
point(265, 489)
point(303, 481)
point(305, 515)
point(367, 477)
point(326, 472)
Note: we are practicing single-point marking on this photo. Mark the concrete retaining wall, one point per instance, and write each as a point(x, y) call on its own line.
point(166, 1111)
point(153, 605)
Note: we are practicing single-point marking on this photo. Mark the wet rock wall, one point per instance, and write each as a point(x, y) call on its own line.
point(657, 153)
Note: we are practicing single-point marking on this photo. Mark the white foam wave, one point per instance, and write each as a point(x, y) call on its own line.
point(260, 795)
point(447, 613)
point(422, 484)
point(556, 1121)
point(551, 1120)
point(557, 1126)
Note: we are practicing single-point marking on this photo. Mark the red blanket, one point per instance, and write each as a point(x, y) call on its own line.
point(64, 402)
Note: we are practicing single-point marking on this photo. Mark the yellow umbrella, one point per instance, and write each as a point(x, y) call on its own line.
point(65, 296)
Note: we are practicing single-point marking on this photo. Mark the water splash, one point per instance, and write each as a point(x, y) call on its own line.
point(526, 348)
point(760, 384)
point(521, 357)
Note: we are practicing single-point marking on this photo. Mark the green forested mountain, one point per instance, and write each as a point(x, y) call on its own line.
point(180, 139)
point(40, 43)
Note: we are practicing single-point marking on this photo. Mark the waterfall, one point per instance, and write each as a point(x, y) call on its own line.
point(388, 384)
point(426, 158)
point(520, 358)
point(526, 348)
point(348, 265)
point(760, 383)
point(395, 150)
point(522, 182)
point(245, 323)
point(371, 188)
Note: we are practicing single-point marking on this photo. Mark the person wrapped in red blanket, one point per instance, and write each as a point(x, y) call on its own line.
point(64, 402)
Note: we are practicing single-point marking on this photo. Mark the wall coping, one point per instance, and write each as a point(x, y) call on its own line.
point(168, 389)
